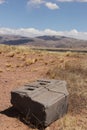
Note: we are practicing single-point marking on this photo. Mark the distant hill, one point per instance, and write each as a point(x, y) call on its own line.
point(14, 40)
point(44, 41)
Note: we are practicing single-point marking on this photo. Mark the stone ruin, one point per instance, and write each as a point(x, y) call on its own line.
point(41, 102)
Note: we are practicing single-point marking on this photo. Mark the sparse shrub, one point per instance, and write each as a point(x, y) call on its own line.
point(61, 60)
point(10, 54)
point(30, 61)
point(22, 58)
point(17, 51)
point(34, 60)
point(68, 53)
point(8, 65)
point(1, 70)
point(46, 63)
point(25, 53)
point(17, 66)
point(8, 69)
point(0, 51)
point(22, 65)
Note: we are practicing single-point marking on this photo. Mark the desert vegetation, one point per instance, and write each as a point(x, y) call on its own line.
point(20, 65)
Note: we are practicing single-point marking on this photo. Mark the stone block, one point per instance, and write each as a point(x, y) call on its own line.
point(42, 102)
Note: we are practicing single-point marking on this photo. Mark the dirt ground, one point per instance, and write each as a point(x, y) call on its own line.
point(20, 67)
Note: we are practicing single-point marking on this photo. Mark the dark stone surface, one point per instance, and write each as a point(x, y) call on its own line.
point(41, 102)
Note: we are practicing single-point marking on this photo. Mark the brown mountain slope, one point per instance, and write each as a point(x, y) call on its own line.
point(44, 41)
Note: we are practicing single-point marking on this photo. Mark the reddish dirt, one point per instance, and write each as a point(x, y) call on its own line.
point(14, 73)
point(20, 68)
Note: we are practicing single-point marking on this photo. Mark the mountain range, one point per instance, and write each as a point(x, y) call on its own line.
point(44, 41)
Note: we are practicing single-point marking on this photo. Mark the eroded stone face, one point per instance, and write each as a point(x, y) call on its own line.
point(42, 102)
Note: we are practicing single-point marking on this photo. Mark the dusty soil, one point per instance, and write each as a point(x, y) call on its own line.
point(18, 68)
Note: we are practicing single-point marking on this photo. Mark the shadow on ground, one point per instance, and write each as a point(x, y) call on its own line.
point(12, 112)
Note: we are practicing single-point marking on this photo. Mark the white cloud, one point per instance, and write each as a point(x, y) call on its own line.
point(32, 32)
point(35, 3)
point(72, 0)
point(51, 5)
point(2, 1)
point(38, 3)
point(31, 2)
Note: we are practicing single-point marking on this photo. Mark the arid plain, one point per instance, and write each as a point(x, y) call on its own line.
point(20, 65)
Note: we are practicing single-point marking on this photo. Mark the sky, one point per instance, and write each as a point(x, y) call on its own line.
point(44, 17)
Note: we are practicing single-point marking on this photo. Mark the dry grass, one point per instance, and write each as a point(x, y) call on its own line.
point(74, 70)
point(14, 49)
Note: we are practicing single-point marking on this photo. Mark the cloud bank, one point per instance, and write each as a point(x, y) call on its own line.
point(2, 1)
point(50, 5)
point(32, 32)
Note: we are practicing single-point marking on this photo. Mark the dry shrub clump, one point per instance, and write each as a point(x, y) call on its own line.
point(1, 70)
point(0, 51)
point(8, 65)
point(10, 54)
point(74, 71)
point(29, 61)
